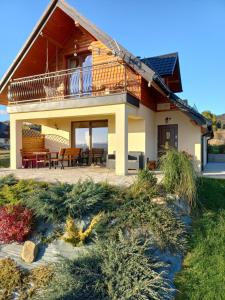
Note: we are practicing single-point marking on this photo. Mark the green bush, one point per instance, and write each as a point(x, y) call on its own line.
point(83, 199)
point(179, 175)
point(145, 183)
point(118, 269)
point(49, 203)
point(87, 198)
point(13, 192)
point(130, 272)
point(8, 180)
point(216, 149)
point(147, 219)
point(75, 280)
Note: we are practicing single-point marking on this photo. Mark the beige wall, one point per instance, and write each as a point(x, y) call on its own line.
point(130, 129)
point(189, 134)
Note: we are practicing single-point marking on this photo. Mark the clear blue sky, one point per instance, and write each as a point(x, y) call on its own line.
point(194, 28)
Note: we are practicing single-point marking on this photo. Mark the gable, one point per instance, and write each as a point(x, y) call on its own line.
point(167, 66)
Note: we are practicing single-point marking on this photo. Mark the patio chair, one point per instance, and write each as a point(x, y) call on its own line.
point(72, 156)
point(97, 154)
point(54, 161)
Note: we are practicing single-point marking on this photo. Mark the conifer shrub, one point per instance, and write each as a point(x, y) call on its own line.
point(49, 203)
point(180, 176)
point(148, 219)
point(11, 278)
point(83, 199)
point(16, 193)
point(8, 180)
point(15, 223)
point(76, 235)
point(118, 269)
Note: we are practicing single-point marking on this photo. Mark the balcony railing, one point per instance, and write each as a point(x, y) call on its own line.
point(97, 80)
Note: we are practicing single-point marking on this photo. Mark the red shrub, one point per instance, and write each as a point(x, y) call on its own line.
point(15, 223)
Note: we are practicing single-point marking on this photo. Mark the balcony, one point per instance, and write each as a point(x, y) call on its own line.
point(97, 80)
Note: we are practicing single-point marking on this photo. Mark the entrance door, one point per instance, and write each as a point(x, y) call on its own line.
point(167, 138)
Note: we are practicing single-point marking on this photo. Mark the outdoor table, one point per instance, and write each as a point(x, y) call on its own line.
point(38, 153)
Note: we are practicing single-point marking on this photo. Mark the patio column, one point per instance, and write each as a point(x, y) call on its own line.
point(121, 140)
point(15, 143)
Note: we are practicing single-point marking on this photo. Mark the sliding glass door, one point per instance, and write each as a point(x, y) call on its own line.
point(90, 134)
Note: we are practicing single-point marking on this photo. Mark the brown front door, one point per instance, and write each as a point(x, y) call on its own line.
point(167, 138)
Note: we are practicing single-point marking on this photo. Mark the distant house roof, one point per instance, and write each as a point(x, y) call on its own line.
point(164, 65)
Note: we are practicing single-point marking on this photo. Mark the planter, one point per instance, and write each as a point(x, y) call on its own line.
point(151, 164)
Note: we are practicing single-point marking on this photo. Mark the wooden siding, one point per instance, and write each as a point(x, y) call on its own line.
point(33, 143)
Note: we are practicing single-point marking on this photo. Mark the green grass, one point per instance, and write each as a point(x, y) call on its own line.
point(203, 274)
point(4, 159)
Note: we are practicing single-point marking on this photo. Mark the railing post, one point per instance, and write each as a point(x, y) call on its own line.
point(9, 92)
point(80, 82)
point(125, 77)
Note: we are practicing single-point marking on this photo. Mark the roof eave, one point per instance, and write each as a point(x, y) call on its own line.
point(194, 115)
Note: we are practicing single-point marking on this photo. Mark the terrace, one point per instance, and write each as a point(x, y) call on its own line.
point(90, 81)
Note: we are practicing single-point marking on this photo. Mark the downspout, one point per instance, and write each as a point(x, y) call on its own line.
point(210, 135)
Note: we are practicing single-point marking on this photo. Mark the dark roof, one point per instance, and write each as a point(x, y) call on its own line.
point(163, 65)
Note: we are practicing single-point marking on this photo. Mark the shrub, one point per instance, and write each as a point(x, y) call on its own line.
point(179, 175)
point(12, 194)
point(147, 219)
point(8, 180)
point(76, 279)
point(60, 200)
point(49, 203)
point(130, 272)
point(37, 279)
point(118, 269)
point(145, 183)
point(10, 278)
point(77, 236)
point(88, 198)
point(15, 223)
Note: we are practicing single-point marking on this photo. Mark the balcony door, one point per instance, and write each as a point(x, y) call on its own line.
point(90, 134)
point(80, 78)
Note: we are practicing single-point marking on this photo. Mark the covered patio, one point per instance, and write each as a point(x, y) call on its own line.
point(123, 132)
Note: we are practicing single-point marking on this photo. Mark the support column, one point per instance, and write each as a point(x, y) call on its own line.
point(121, 140)
point(15, 143)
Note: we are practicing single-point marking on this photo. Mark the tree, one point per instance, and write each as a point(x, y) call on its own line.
point(211, 117)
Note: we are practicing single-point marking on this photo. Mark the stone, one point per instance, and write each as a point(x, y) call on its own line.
point(29, 252)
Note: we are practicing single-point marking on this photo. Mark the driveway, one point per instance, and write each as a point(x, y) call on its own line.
point(215, 170)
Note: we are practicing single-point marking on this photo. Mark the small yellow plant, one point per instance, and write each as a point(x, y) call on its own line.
point(76, 236)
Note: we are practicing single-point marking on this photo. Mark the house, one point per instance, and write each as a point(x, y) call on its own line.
point(86, 90)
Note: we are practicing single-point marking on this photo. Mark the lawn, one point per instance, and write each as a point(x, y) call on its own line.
point(4, 158)
point(203, 275)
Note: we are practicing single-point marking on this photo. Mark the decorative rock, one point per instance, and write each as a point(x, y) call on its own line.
point(29, 252)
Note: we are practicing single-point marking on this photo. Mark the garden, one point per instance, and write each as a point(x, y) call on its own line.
point(124, 242)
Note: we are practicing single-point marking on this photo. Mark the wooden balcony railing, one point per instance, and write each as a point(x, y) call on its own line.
point(96, 80)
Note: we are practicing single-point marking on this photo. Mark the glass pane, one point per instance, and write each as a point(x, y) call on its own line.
point(82, 138)
point(100, 138)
